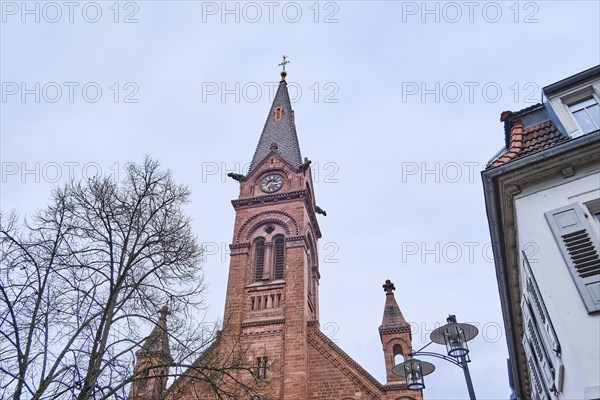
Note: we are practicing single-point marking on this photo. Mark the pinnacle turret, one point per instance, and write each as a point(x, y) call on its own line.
point(153, 361)
point(392, 316)
point(157, 343)
point(394, 333)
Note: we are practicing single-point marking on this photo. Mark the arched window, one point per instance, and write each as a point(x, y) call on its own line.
point(266, 261)
point(259, 260)
point(279, 258)
point(261, 367)
point(398, 354)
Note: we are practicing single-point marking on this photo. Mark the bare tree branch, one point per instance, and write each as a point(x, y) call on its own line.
point(81, 283)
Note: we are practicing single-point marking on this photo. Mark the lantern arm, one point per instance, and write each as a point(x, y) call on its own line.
point(436, 355)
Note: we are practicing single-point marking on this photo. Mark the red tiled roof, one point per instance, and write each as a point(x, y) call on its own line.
point(528, 141)
point(541, 137)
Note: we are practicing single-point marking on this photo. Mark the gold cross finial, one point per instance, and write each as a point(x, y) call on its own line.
point(284, 62)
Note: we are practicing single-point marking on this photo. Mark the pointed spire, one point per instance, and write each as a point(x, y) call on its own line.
point(157, 344)
point(153, 362)
point(279, 129)
point(392, 316)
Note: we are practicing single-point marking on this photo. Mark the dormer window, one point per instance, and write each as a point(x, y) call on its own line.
point(278, 113)
point(587, 114)
point(575, 102)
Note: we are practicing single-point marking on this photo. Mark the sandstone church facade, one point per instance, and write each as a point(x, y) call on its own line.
point(272, 302)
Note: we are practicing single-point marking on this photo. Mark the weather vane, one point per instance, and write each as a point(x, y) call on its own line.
point(285, 62)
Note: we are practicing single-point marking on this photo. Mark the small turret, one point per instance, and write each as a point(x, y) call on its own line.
point(152, 363)
point(395, 334)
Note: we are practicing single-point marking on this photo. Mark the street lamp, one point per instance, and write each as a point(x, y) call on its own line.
point(414, 370)
point(455, 336)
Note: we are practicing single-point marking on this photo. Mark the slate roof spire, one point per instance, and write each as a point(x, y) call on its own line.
point(392, 316)
point(157, 344)
point(279, 128)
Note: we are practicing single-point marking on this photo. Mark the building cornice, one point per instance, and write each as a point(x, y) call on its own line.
point(270, 198)
point(573, 80)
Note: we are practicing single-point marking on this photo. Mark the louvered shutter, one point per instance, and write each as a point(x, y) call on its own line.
point(541, 358)
point(259, 260)
point(279, 258)
point(538, 389)
point(579, 246)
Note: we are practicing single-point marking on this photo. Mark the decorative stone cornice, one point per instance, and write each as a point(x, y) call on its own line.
point(168, 360)
point(296, 241)
point(263, 322)
point(239, 249)
point(250, 201)
point(285, 196)
point(392, 387)
point(239, 246)
point(394, 329)
point(270, 286)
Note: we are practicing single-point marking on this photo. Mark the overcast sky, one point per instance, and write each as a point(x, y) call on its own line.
point(397, 104)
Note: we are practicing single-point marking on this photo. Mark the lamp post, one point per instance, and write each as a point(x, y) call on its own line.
point(454, 336)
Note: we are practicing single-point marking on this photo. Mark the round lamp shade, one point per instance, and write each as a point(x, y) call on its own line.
point(413, 370)
point(455, 336)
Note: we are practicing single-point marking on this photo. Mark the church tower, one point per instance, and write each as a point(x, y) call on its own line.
point(272, 300)
point(272, 290)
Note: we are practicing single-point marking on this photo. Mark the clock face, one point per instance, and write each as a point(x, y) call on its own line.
point(271, 183)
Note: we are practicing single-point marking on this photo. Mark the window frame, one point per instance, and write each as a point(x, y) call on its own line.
point(278, 114)
point(267, 259)
point(578, 103)
point(261, 367)
point(559, 101)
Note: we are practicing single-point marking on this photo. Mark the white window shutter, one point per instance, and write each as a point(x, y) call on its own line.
point(579, 246)
point(533, 296)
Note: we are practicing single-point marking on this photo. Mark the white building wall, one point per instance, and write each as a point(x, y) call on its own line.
point(577, 331)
